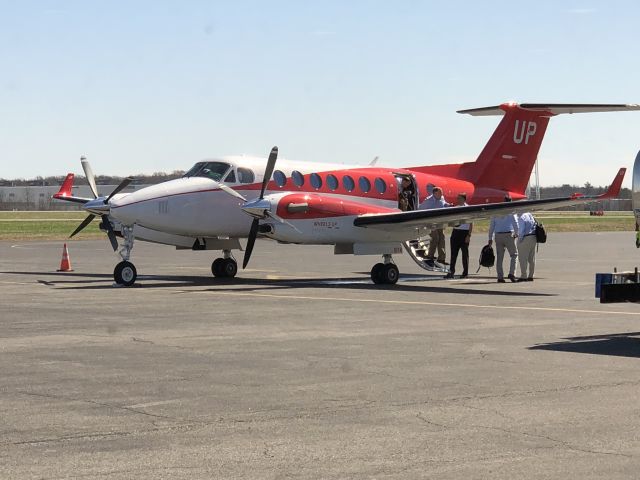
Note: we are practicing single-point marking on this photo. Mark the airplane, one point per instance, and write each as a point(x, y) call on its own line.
point(354, 208)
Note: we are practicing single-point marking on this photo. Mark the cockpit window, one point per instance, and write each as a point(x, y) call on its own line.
point(231, 177)
point(213, 170)
point(193, 170)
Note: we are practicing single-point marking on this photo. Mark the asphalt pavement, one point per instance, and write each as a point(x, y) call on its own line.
point(302, 368)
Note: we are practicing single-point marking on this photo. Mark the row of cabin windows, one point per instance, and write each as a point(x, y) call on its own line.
point(332, 182)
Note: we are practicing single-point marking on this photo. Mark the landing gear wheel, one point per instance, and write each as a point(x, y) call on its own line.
point(376, 273)
point(229, 267)
point(224, 267)
point(125, 274)
point(390, 274)
point(216, 267)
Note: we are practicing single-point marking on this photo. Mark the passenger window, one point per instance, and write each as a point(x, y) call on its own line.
point(316, 181)
point(280, 178)
point(348, 183)
point(430, 188)
point(245, 175)
point(380, 185)
point(298, 178)
point(364, 184)
point(332, 182)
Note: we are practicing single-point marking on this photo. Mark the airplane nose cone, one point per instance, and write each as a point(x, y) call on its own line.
point(256, 208)
point(97, 206)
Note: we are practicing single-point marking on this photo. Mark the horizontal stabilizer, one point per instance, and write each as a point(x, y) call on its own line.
point(554, 108)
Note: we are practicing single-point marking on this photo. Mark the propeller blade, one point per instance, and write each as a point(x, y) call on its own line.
point(123, 184)
point(84, 223)
point(271, 163)
point(231, 191)
point(91, 179)
point(253, 233)
point(110, 233)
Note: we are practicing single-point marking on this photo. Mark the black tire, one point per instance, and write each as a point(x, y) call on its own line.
point(376, 273)
point(125, 274)
point(216, 267)
point(390, 274)
point(229, 267)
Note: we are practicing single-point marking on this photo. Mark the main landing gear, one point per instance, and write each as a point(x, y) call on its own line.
point(386, 272)
point(225, 267)
point(125, 273)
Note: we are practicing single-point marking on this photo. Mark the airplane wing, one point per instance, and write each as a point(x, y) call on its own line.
point(451, 216)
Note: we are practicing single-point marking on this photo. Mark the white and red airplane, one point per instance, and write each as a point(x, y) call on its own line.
point(354, 208)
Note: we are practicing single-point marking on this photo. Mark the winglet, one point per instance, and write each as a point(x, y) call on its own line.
point(614, 188)
point(66, 194)
point(65, 188)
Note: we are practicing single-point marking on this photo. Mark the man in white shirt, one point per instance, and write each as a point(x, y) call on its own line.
point(437, 241)
point(527, 246)
point(505, 229)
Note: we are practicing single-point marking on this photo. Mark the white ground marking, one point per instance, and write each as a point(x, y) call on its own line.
point(411, 302)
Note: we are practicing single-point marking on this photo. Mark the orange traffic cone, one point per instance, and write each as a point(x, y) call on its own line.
point(65, 264)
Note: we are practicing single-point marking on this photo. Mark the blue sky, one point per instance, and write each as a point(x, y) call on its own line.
point(148, 86)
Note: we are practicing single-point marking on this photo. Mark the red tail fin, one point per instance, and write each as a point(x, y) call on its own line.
point(614, 189)
point(507, 159)
point(65, 188)
point(506, 162)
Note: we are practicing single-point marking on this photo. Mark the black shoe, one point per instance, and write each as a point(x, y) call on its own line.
point(449, 276)
point(430, 263)
point(522, 280)
point(512, 278)
point(501, 280)
point(530, 279)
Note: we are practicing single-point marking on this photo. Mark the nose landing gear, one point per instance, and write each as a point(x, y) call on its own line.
point(385, 273)
point(125, 273)
point(225, 267)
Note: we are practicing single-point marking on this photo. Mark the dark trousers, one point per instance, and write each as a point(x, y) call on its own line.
point(457, 243)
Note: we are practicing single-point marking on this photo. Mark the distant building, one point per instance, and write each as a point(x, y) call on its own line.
point(39, 197)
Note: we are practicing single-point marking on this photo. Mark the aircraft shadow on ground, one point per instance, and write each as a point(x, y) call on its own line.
point(94, 281)
point(614, 344)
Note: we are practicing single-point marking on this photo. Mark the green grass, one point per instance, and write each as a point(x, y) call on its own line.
point(45, 226)
point(59, 225)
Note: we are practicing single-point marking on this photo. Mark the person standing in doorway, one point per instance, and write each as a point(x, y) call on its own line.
point(406, 195)
point(459, 241)
point(505, 229)
point(437, 240)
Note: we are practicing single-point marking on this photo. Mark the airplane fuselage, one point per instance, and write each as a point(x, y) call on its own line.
point(195, 206)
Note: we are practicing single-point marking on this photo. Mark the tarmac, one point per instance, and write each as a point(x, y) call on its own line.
point(302, 368)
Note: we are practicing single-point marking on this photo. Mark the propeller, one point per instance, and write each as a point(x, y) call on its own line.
point(253, 233)
point(97, 204)
point(258, 208)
